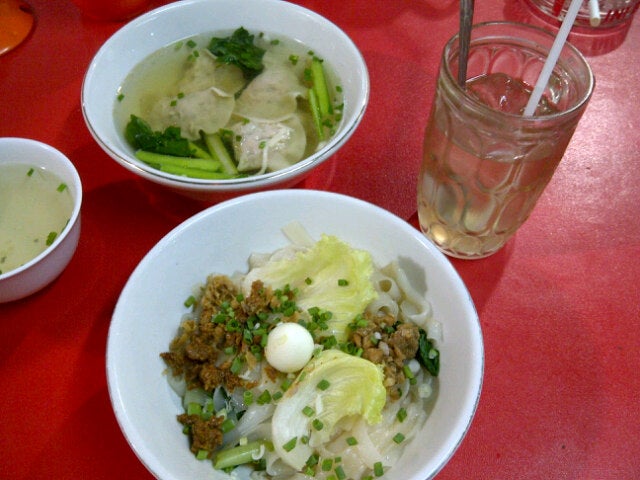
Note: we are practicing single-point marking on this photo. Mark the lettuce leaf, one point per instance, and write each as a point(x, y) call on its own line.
point(330, 275)
point(331, 387)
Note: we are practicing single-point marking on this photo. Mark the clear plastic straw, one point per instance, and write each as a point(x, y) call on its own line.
point(554, 54)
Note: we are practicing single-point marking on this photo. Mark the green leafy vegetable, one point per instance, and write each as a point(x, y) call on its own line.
point(355, 387)
point(239, 50)
point(170, 142)
point(327, 261)
point(428, 355)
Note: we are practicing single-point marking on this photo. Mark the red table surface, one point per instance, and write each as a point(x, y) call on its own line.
point(559, 305)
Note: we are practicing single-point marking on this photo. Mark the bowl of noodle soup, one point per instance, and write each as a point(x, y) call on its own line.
point(152, 307)
point(154, 67)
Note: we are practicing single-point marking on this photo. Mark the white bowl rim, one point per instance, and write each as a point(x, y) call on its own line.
point(458, 430)
point(77, 202)
point(253, 181)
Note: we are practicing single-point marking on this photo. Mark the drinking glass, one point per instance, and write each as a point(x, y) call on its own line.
point(485, 164)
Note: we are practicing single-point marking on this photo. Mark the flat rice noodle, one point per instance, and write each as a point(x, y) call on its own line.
point(272, 95)
point(269, 146)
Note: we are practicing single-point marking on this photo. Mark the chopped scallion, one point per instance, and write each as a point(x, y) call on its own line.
point(202, 454)
point(51, 238)
point(290, 445)
point(264, 398)
point(323, 384)
point(401, 415)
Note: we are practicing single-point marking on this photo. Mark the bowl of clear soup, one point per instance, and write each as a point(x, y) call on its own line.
point(40, 199)
point(215, 98)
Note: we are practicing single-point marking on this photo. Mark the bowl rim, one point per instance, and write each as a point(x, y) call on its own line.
point(77, 198)
point(359, 106)
point(473, 329)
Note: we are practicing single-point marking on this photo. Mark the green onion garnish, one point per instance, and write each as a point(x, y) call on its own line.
point(202, 454)
point(190, 301)
point(401, 415)
point(327, 464)
point(264, 398)
point(51, 238)
point(290, 445)
point(323, 384)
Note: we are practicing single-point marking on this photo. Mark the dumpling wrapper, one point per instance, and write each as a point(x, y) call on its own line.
point(207, 100)
point(206, 72)
point(201, 110)
point(268, 146)
point(272, 95)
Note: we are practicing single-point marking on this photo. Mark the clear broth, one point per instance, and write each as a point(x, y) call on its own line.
point(35, 207)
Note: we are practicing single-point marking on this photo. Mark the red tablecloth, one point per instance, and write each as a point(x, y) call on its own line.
point(559, 306)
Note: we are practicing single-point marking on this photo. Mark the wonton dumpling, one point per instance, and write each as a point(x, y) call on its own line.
point(205, 72)
point(201, 110)
point(272, 95)
point(268, 146)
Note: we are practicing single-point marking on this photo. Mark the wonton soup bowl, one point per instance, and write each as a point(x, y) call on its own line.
point(150, 308)
point(182, 20)
point(43, 269)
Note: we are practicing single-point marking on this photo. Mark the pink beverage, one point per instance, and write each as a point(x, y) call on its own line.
point(484, 164)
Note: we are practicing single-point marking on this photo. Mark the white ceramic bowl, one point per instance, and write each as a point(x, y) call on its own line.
point(43, 269)
point(180, 20)
point(219, 240)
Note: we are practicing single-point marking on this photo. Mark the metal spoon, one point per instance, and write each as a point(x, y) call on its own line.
point(466, 20)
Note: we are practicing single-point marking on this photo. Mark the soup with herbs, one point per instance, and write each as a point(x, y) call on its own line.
point(218, 107)
point(35, 207)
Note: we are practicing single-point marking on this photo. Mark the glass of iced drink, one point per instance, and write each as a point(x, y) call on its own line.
point(484, 163)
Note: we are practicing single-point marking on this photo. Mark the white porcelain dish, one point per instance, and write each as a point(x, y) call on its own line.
point(180, 20)
point(47, 266)
point(219, 240)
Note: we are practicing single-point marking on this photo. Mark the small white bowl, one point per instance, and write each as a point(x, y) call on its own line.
point(181, 20)
point(220, 240)
point(44, 268)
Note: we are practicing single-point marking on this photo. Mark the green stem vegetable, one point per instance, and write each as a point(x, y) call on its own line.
point(239, 455)
point(198, 152)
point(190, 167)
point(315, 111)
point(219, 152)
point(207, 164)
point(320, 87)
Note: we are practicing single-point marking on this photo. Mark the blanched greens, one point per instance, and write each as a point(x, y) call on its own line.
point(239, 50)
